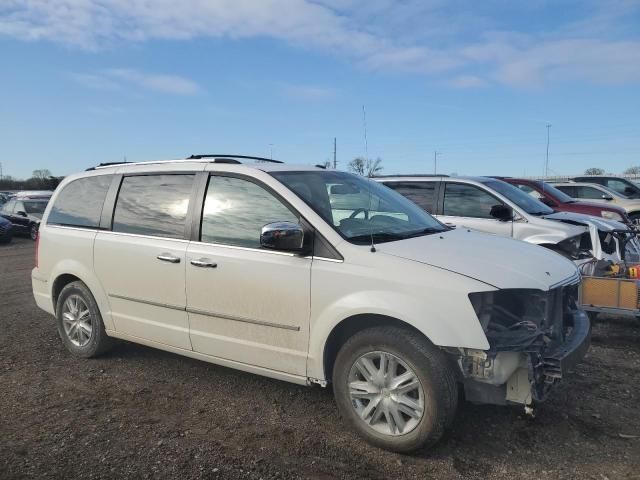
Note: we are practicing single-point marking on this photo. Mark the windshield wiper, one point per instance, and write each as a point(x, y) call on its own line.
point(381, 237)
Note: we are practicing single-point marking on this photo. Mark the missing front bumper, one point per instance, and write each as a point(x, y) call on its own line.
point(504, 379)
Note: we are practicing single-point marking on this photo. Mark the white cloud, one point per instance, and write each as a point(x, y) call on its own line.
point(309, 92)
point(118, 78)
point(457, 39)
point(467, 81)
point(173, 84)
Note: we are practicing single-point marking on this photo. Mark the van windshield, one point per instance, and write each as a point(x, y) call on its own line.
point(360, 210)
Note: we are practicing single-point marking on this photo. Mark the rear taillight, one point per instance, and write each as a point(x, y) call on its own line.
point(37, 247)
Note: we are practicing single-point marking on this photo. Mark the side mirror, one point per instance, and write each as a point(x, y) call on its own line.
point(548, 202)
point(283, 236)
point(606, 197)
point(21, 213)
point(501, 212)
point(629, 191)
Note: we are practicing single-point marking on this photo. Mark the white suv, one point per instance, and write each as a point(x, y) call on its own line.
point(252, 266)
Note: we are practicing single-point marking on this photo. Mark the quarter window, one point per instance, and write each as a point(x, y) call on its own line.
point(154, 205)
point(462, 200)
point(80, 202)
point(235, 210)
point(420, 193)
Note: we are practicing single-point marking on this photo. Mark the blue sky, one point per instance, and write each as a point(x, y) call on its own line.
point(90, 81)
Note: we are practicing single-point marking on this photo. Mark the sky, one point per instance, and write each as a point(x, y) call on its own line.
point(90, 81)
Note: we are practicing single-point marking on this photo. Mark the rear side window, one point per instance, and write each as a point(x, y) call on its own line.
point(79, 204)
point(420, 193)
point(569, 190)
point(153, 205)
point(589, 193)
point(462, 200)
point(235, 210)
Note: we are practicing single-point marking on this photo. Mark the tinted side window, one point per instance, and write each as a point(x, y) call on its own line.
point(153, 205)
point(79, 204)
point(235, 210)
point(420, 193)
point(620, 187)
point(589, 192)
point(569, 190)
point(468, 201)
point(8, 207)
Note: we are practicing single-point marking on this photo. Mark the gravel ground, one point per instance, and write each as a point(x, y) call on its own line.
point(139, 413)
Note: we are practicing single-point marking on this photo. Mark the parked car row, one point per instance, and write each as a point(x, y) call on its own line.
point(23, 211)
point(316, 276)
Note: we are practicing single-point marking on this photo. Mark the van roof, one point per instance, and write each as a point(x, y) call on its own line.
point(259, 163)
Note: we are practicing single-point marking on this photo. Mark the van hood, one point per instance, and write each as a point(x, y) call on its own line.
point(498, 261)
point(602, 224)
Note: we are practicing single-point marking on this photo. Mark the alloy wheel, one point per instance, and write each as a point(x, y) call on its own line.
point(76, 319)
point(386, 393)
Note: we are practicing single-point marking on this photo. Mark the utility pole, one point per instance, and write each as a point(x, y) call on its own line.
point(364, 125)
point(335, 162)
point(546, 163)
point(271, 150)
point(435, 162)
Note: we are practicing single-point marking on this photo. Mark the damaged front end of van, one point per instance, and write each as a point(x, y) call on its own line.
point(535, 338)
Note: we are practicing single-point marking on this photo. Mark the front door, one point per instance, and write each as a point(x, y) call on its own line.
point(469, 206)
point(141, 262)
point(245, 303)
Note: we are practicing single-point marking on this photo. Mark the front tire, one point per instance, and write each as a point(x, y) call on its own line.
point(395, 388)
point(79, 322)
point(33, 232)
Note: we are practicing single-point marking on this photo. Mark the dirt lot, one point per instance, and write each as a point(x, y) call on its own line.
point(139, 413)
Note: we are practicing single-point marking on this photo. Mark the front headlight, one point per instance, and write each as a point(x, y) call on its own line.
point(611, 215)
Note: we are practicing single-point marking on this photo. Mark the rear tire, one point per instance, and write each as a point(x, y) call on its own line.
point(79, 322)
point(398, 415)
point(635, 218)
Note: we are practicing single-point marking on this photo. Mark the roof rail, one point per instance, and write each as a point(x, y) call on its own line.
point(205, 158)
point(220, 158)
point(413, 175)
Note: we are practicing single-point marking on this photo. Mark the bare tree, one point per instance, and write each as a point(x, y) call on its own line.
point(632, 171)
point(41, 174)
point(366, 167)
point(594, 171)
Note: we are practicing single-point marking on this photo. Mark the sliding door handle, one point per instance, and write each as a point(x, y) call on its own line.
point(167, 257)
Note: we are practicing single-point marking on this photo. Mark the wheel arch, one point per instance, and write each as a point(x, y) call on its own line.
point(348, 327)
point(59, 283)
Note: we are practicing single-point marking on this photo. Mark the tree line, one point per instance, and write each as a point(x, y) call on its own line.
point(39, 180)
point(600, 171)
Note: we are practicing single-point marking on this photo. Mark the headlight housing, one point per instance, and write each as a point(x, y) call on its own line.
point(611, 215)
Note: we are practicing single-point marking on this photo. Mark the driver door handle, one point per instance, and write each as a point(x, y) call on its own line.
point(204, 263)
point(167, 257)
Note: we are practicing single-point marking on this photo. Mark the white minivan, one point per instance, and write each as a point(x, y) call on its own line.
point(249, 264)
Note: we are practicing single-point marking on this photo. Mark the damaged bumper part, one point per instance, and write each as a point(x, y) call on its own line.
point(535, 338)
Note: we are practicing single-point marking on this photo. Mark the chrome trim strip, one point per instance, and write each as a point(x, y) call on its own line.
point(235, 247)
point(325, 259)
point(124, 234)
point(70, 227)
point(148, 302)
point(243, 319)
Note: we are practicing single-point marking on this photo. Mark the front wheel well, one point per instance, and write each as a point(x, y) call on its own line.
point(59, 283)
point(349, 327)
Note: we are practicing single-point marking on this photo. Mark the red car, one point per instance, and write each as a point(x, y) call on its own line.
point(561, 202)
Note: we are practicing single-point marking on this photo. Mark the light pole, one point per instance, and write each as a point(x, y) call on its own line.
point(435, 161)
point(546, 163)
point(271, 151)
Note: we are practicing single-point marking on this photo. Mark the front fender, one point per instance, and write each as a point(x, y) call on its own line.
point(439, 308)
